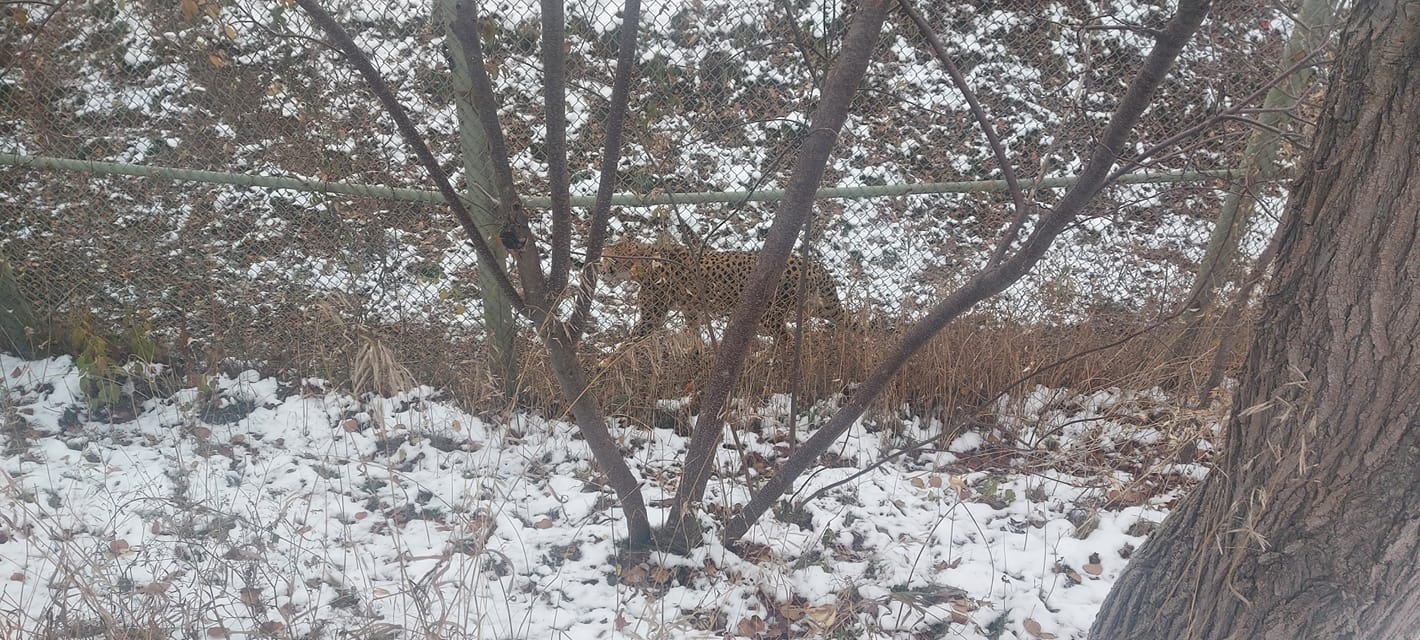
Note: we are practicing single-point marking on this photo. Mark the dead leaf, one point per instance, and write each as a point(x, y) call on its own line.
point(18, 576)
point(189, 9)
point(274, 627)
point(216, 632)
point(251, 596)
point(750, 627)
point(229, 31)
point(755, 552)
point(1094, 567)
point(959, 485)
point(118, 546)
point(823, 616)
point(634, 575)
point(935, 481)
point(21, 18)
point(1033, 628)
point(349, 425)
point(545, 523)
point(917, 482)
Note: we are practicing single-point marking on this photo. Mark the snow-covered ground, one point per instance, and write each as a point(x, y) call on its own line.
point(251, 507)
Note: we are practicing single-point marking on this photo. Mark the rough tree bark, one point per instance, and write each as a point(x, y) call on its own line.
point(1310, 525)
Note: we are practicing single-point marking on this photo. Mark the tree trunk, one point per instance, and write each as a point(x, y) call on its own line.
point(1310, 525)
point(17, 318)
point(499, 322)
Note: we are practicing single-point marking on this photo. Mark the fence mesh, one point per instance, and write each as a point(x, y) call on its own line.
point(310, 281)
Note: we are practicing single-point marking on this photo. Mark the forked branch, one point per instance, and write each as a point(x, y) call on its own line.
point(535, 305)
point(992, 280)
point(828, 118)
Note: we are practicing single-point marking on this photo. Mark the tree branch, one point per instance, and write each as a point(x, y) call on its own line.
point(992, 280)
point(361, 62)
point(554, 96)
point(839, 87)
point(555, 335)
point(611, 160)
point(1240, 106)
point(516, 235)
point(1008, 171)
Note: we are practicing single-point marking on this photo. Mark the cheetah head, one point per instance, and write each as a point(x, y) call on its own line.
point(626, 260)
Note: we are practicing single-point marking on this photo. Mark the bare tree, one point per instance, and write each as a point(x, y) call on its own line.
point(540, 291)
point(1310, 525)
point(1005, 268)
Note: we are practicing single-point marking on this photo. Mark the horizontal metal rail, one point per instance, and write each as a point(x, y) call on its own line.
point(48, 163)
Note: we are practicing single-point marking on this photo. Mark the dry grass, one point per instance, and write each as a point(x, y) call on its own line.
point(965, 368)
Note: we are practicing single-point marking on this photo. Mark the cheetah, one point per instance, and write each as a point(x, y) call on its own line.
point(671, 278)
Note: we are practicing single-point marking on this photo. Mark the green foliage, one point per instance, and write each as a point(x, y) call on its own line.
point(106, 360)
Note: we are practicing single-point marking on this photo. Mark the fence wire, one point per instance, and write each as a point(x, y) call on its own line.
point(723, 89)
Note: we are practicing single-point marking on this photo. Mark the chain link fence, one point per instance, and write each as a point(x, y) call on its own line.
point(312, 281)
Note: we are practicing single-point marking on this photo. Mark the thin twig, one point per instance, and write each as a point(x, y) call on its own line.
point(1131, 164)
point(801, 43)
point(1007, 170)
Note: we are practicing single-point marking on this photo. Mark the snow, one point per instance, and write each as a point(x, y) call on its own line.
point(250, 502)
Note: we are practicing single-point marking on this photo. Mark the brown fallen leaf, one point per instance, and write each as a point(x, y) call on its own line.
point(1033, 628)
point(822, 617)
point(750, 627)
point(1094, 567)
